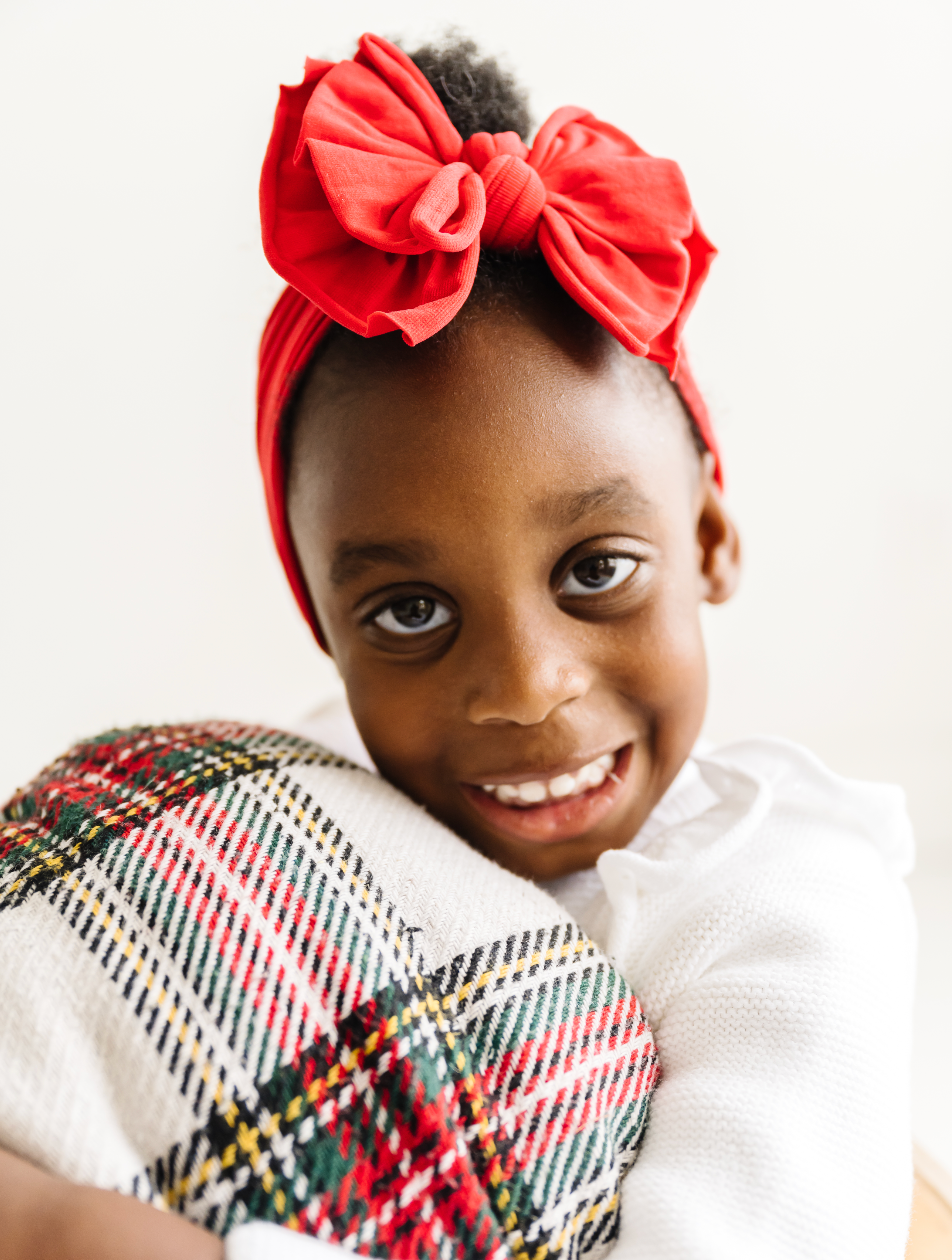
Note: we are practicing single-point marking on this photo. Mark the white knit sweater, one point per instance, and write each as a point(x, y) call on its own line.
point(761, 916)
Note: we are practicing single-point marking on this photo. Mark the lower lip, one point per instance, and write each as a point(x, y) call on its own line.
point(555, 820)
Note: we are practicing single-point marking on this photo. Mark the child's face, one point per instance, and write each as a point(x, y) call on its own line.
point(507, 538)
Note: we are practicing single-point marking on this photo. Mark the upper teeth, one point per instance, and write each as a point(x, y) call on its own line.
point(539, 790)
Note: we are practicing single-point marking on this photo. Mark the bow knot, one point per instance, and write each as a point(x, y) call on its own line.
point(515, 194)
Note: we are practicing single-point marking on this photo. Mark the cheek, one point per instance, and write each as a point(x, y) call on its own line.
point(400, 710)
point(658, 658)
point(398, 713)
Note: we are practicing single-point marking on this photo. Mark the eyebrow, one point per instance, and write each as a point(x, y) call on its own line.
point(353, 558)
point(566, 509)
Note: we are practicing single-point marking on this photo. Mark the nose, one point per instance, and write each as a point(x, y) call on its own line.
point(519, 676)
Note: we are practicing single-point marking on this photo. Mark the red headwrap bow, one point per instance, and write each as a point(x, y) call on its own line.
point(373, 208)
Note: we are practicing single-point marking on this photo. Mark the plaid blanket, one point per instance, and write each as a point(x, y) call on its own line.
point(243, 979)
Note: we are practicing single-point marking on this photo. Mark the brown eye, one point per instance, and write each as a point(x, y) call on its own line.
point(597, 573)
point(413, 615)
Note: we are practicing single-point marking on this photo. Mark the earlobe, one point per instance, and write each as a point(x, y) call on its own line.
point(719, 552)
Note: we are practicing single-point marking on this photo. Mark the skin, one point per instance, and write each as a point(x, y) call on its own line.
point(44, 1218)
point(477, 471)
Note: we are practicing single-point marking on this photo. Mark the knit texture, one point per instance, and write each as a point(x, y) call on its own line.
point(246, 980)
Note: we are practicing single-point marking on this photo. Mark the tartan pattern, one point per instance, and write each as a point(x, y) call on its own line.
point(341, 1081)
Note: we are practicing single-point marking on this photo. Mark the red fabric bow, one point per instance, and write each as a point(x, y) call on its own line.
point(373, 208)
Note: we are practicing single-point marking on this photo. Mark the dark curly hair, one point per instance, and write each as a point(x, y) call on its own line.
point(475, 91)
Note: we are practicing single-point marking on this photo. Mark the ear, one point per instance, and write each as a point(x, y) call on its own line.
point(718, 541)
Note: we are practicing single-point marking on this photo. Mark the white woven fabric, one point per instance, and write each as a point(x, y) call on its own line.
point(762, 907)
point(263, 1241)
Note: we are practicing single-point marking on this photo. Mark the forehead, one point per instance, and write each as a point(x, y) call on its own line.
point(524, 419)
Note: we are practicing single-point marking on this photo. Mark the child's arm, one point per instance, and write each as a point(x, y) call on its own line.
point(45, 1218)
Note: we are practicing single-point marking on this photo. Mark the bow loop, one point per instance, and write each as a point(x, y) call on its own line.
point(450, 211)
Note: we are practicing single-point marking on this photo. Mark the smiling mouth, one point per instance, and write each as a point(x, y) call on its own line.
point(560, 788)
point(562, 807)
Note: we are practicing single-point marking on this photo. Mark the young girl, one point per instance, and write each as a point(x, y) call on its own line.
point(497, 495)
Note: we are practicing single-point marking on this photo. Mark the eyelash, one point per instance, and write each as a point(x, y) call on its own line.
point(440, 614)
point(440, 611)
point(623, 568)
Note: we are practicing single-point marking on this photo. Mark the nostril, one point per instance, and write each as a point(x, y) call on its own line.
point(516, 702)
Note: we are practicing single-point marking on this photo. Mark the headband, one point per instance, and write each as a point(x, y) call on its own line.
point(374, 209)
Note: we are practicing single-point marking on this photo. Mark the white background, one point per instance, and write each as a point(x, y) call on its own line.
point(137, 577)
